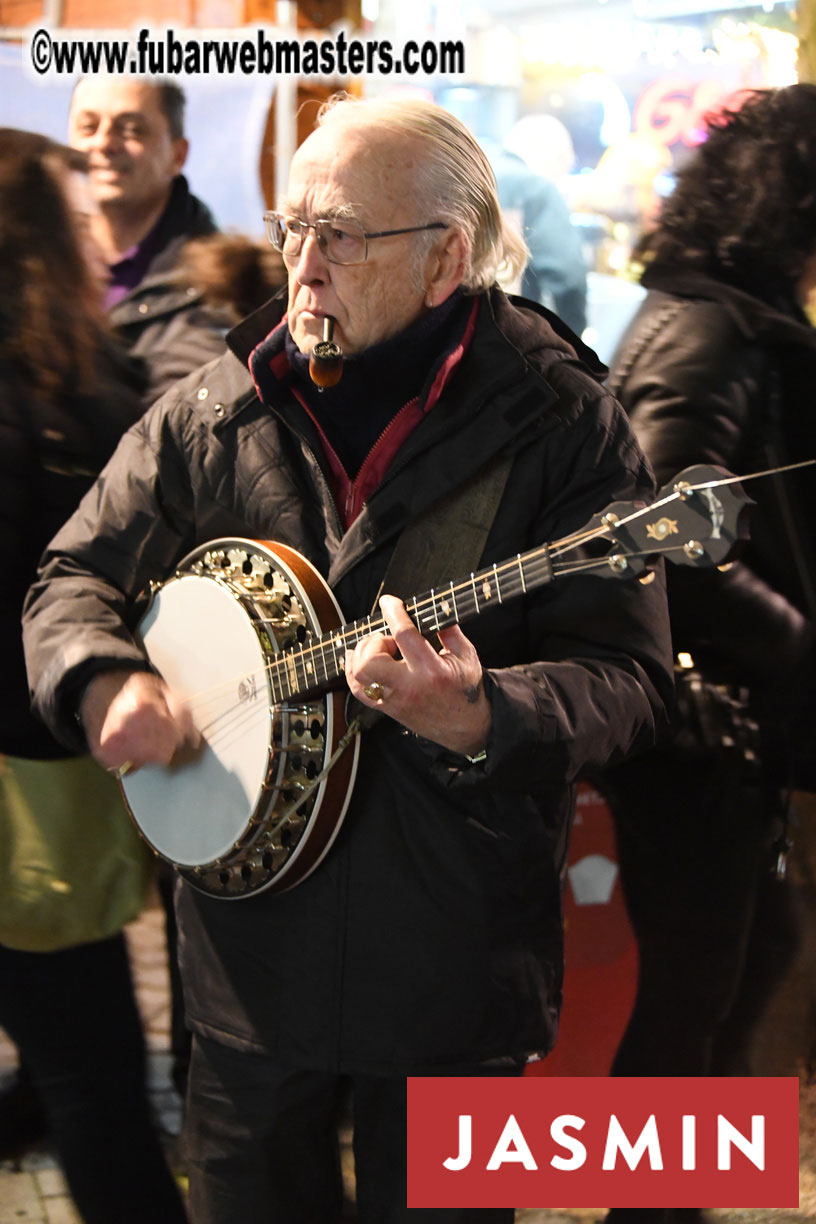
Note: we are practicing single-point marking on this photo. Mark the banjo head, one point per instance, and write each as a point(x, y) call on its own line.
point(244, 811)
point(200, 640)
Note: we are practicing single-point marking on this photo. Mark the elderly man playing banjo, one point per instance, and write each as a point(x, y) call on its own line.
point(368, 809)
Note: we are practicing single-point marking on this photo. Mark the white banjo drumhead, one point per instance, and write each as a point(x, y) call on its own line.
point(200, 639)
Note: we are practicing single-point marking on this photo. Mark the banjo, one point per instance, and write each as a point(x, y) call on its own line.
point(258, 805)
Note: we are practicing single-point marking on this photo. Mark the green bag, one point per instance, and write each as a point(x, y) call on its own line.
point(73, 869)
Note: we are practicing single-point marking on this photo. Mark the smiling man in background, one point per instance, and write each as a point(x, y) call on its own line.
point(133, 133)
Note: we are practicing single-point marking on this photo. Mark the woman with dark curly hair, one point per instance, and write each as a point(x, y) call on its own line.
point(744, 208)
point(67, 394)
point(719, 366)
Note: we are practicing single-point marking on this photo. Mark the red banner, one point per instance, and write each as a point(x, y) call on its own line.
point(541, 1142)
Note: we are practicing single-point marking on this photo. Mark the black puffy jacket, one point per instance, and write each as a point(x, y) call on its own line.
point(432, 931)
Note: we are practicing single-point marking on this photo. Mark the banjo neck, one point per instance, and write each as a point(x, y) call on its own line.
point(688, 522)
point(320, 665)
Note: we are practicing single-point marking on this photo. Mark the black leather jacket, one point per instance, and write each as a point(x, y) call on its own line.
point(708, 373)
point(51, 451)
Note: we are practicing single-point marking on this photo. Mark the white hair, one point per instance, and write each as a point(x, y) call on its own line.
point(455, 181)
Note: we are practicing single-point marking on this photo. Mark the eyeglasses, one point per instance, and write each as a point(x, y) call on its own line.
point(341, 242)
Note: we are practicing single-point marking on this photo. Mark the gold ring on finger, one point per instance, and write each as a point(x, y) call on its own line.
point(119, 771)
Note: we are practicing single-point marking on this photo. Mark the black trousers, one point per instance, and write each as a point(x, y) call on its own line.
point(73, 1016)
point(262, 1144)
point(716, 930)
point(180, 1037)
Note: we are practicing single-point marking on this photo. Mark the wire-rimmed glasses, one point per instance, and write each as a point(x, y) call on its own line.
point(341, 241)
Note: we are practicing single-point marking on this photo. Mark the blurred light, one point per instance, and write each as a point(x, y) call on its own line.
point(618, 259)
point(617, 118)
point(664, 184)
point(464, 93)
point(370, 10)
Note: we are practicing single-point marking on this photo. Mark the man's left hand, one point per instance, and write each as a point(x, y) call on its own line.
point(438, 695)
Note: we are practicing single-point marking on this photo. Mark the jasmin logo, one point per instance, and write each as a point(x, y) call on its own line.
point(537, 1140)
point(512, 1146)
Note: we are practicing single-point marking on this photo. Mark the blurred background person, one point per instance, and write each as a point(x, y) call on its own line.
point(555, 274)
point(232, 273)
point(67, 393)
point(719, 366)
point(133, 133)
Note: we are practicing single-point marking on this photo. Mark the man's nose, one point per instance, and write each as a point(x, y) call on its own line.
point(311, 262)
point(105, 136)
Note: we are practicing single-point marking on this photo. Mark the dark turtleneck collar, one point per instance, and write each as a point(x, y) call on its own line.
point(378, 382)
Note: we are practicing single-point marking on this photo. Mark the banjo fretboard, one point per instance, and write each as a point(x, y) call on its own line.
point(689, 523)
point(319, 664)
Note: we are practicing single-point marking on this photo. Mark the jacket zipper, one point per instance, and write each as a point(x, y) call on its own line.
point(307, 447)
point(354, 485)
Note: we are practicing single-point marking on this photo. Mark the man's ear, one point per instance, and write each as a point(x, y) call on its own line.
point(181, 148)
point(445, 268)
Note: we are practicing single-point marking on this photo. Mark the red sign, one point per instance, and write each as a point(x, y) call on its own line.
point(541, 1142)
point(599, 948)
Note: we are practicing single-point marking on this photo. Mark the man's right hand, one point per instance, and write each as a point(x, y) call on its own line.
point(133, 719)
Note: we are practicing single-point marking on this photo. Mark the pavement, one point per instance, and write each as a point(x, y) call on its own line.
point(32, 1189)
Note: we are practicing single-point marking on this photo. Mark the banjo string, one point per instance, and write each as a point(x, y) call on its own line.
point(545, 553)
point(284, 661)
point(544, 556)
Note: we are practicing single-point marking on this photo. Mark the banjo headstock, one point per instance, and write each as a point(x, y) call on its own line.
point(708, 515)
point(695, 520)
